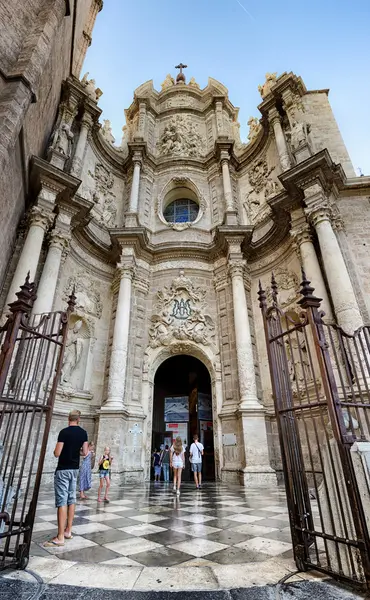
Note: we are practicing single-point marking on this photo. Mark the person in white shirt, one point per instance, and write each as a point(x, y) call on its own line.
point(196, 453)
point(177, 462)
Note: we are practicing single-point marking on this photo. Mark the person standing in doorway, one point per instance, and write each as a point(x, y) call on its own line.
point(72, 442)
point(157, 465)
point(196, 454)
point(177, 463)
point(165, 462)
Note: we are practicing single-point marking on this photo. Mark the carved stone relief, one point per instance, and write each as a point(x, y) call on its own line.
point(88, 299)
point(76, 355)
point(104, 210)
point(181, 137)
point(254, 128)
point(180, 101)
point(288, 287)
point(181, 315)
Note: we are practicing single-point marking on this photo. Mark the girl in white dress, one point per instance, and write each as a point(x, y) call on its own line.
point(177, 463)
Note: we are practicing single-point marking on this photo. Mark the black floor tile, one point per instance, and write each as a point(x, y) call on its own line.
point(229, 537)
point(232, 555)
point(93, 554)
point(108, 536)
point(161, 557)
point(169, 537)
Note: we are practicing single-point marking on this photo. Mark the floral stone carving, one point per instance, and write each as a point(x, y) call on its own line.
point(181, 137)
point(181, 315)
point(88, 300)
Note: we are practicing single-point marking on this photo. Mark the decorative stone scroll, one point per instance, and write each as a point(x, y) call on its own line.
point(181, 315)
point(181, 137)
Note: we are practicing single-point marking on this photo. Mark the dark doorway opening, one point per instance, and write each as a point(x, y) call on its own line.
point(183, 406)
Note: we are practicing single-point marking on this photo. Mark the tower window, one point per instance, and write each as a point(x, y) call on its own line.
point(182, 210)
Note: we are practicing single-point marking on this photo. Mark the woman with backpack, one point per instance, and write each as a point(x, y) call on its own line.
point(177, 463)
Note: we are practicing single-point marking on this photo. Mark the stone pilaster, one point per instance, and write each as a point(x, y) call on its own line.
point(343, 296)
point(281, 144)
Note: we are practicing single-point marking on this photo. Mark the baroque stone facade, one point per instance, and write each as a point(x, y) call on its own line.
point(164, 239)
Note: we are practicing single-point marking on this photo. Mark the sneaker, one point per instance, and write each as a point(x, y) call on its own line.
point(178, 493)
point(174, 490)
point(200, 487)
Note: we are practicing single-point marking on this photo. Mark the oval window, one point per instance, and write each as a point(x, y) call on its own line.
point(182, 210)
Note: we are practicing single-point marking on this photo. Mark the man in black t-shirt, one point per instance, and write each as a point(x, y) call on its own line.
point(72, 442)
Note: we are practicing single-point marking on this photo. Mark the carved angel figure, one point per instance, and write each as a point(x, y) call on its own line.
point(254, 128)
point(73, 352)
point(106, 132)
point(270, 80)
point(160, 333)
point(90, 88)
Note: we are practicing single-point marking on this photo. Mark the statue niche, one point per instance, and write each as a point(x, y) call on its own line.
point(73, 374)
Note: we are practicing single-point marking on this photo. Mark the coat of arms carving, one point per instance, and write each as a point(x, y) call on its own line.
point(181, 315)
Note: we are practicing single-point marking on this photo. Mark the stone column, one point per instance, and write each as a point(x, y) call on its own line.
point(29, 258)
point(257, 469)
point(118, 359)
point(231, 213)
point(77, 162)
point(244, 349)
point(281, 144)
point(131, 217)
point(343, 296)
point(310, 263)
point(59, 242)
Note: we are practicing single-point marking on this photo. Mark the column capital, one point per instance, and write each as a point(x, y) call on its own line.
point(59, 239)
point(137, 158)
point(126, 270)
point(87, 120)
point(274, 116)
point(237, 267)
point(224, 157)
point(40, 218)
point(318, 214)
point(301, 234)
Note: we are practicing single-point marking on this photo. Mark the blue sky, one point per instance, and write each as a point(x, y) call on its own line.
point(327, 42)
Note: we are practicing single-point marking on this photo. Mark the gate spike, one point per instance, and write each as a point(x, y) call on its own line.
point(261, 296)
point(307, 291)
point(274, 288)
point(72, 300)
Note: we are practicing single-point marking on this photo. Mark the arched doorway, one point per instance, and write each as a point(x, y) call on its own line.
point(182, 405)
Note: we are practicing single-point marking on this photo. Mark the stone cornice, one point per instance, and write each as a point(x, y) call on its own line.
point(284, 82)
point(42, 172)
point(318, 169)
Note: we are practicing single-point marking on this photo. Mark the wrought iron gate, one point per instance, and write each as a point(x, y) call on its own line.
point(321, 388)
point(32, 348)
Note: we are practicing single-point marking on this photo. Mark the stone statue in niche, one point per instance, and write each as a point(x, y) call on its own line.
point(73, 352)
point(181, 137)
point(91, 90)
point(254, 128)
point(168, 82)
point(62, 139)
point(299, 135)
point(270, 80)
point(181, 315)
point(106, 132)
point(300, 372)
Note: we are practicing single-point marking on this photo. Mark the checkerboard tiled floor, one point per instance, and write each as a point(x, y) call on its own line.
point(146, 525)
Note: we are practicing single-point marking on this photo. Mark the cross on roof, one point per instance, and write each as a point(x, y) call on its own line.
point(181, 77)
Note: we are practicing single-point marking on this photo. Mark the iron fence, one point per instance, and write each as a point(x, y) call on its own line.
point(321, 383)
point(31, 356)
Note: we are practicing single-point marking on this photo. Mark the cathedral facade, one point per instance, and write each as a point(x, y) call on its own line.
point(164, 238)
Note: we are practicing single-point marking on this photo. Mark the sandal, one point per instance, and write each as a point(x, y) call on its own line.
point(106, 499)
point(53, 543)
point(68, 537)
